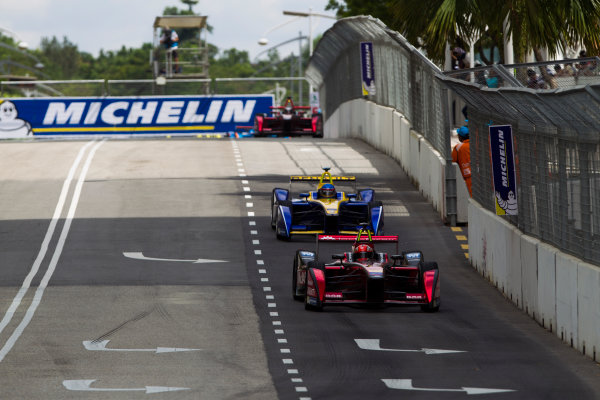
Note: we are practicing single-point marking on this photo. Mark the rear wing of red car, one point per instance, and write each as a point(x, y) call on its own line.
point(352, 238)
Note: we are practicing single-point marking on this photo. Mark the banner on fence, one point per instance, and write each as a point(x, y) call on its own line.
point(368, 68)
point(173, 115)
point(503, 169)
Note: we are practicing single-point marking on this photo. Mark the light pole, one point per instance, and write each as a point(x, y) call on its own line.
point(20, 43)
point(309, 14)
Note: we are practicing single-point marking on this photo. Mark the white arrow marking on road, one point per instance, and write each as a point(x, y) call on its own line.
point(84, 384)
point(406, 384)
point(373, 344)
point(141, 256)
point(101, 346)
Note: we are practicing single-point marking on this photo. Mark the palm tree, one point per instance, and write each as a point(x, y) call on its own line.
point(533, 24)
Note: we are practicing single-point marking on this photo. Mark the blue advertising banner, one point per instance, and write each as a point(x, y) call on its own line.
point(503, 169)
point(173, 115)
point(368, 68)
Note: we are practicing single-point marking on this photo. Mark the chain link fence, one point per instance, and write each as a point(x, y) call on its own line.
point(404, 78)
point(557, 155)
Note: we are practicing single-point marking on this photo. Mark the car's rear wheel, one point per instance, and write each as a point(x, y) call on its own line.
point(295, 281)
point(424, 267)
point(279, 219)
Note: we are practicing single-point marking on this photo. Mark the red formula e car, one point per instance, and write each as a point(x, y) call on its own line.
point(364, 276)
point(288, 120)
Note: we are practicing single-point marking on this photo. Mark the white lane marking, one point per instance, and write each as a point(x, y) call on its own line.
point(140, 256)
point(39, 293)
point(274, 314)
point(101, 346)
point(255, 242)
point(246, 189)
point(271, 305)
point(264, 279)
point(242, 175)
point(285, 351)
point(241, 170)
point(45, 243)
point(266, 289)
point(282, 341)
point(254, 232)
point(244, 182)
point(262, 271)
point(260, 262)
point(297, 380)
point(373, 344)
point(406, 384)
point(292, 371)
point(84, 385)
point(279, 331)
point(257, 252)
point(240, 164)
point(301, 389)
point(248, 196)
point(249, 205)
point(252, 223)
point(251, 213)
point(270, 297)
point(276, 323)
point(288, 361)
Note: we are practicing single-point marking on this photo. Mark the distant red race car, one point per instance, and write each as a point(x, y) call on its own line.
point(364, 276)
point(288, 120)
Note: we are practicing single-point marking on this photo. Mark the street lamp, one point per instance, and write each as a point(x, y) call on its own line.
point(20, 43)
point(308, 14)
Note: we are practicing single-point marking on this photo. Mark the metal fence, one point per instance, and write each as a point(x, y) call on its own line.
point(557, 156)
point(280, 87)
point(404, 78)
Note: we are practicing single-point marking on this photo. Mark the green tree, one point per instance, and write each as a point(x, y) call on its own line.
point(63, 58)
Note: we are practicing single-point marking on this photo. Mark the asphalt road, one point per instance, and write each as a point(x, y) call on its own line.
point(152, 270)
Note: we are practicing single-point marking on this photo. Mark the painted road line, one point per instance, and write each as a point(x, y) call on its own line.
point(141, 256)
point(39, 293)
point(251, 213)
point(456, 229)
point(93, 345)
point(461, 238)
point(84, 385)
point(45, 243)
point(406, 384)
point(373, 344)
point(252, 223)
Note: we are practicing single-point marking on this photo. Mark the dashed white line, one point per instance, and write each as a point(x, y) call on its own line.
point(288, 361)
point(260, 262)
point(279, 331)
point(266, 288)
point(271, 305)
point(264, 279)
point(297, 380)
point(255, 242)
point(262, 271)
point(270, 297)
point(249, 204)
point(276, 314)
point(252, 223)
point(257, 252)
point(276, 323)
point(251, 213)
point(254, 232)
point(285, 351)
point(292, 371)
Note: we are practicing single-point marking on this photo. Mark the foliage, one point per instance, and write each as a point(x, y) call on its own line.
point(533, 24)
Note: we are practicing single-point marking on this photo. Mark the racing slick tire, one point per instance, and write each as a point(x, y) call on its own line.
point(312, 265)
point(424, 267)
point(374, 204)
point(319, 127)
point(295, 282)
point(286, 203)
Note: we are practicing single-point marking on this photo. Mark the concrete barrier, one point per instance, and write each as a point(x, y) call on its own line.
point(566, 298)
point(588, 301)
point(547, 286)
point(529, 274)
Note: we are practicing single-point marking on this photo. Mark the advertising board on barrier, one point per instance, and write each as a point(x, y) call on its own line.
point(173, 115)
point(503, 169)
point(367, 68)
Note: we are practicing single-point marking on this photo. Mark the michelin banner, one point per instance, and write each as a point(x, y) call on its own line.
point(503, 169)
point(367, 68)
point(172, 115)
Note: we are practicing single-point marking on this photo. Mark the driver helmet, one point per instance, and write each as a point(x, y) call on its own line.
point(362, 253)
point(327, 191)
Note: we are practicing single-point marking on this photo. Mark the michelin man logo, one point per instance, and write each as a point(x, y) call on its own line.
point(10, 126)
point(509, 205)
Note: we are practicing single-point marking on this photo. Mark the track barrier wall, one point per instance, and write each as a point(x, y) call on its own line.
point(409, 118)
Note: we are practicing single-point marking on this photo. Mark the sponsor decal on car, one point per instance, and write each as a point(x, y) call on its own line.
point(306, 254)
point(334, 295)
point(412, 256)
point(414, 297)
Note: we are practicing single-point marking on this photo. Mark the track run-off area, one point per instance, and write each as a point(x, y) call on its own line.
point(148, 268)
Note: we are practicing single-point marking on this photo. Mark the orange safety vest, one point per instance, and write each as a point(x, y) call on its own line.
point(462, 156)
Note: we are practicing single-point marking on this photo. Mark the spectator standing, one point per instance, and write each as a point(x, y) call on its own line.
point(461, 154)
point(170, 40)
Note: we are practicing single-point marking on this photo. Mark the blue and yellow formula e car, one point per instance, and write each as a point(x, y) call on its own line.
point(364, 276)
point(324, 210)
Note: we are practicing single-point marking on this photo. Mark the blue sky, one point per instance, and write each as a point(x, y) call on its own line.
point(110, 24)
